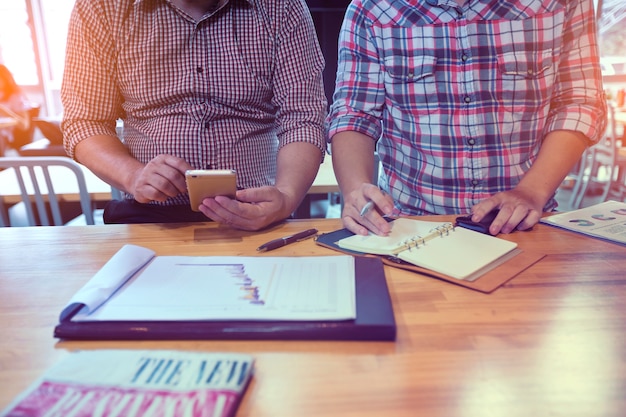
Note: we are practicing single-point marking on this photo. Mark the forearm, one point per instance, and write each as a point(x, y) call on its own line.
point(109, 159)
point(297, 166)
point(560, 151)
point(353, 160)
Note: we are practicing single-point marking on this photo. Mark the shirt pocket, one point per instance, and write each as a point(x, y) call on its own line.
point(410, 81)
point(526, 79)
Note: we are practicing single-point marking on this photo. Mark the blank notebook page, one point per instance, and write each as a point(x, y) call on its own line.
point(458, 254)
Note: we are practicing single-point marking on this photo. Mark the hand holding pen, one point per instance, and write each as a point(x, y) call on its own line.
point(365, 209)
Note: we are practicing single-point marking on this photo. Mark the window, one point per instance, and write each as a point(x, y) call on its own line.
point(16, 42)
point(56, 17)
point(612, 38)
point(32, 45)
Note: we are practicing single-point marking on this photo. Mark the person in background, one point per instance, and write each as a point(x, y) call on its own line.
point(199, 84)
point(13, 104)
point(472, 105)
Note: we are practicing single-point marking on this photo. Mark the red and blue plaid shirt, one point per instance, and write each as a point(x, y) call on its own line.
point(461, 98)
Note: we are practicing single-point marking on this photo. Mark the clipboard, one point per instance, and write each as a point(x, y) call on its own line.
point(374, 320)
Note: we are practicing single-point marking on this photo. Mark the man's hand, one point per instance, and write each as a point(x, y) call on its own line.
point(161, 178)
point(253, 209)
point(522, 207)
point(355, 201)
point(108, 158)
point(519, 210)
point(256, 208)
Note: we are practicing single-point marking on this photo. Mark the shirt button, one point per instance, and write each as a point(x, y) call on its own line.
point(207, 125)
point(471, 142)
point(530, 72)
point(464, 58)
point(199, 70)
point(467, 99)
point(475, 182)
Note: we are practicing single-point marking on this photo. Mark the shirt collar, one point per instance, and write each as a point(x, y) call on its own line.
point(443, 3)
point(221, 2)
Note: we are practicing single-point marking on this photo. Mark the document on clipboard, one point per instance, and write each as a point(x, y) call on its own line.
point(169, 295)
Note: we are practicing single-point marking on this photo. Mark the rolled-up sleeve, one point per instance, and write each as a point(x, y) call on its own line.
point(579, 103)
point(299, 89)
point(91, 100)
point(359, 89)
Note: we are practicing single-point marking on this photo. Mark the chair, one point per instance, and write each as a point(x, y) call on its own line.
point(576, 178)
point(617, 190)
point(597, 168)
point(35, 184)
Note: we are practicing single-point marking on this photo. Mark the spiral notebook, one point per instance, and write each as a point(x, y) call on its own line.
point(440, 249)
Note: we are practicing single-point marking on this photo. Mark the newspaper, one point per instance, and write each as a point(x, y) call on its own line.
point(138, 383)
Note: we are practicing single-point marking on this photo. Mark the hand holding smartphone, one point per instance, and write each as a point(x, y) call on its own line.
point(204, 183)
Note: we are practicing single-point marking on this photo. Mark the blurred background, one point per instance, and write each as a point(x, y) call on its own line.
point(33, 33)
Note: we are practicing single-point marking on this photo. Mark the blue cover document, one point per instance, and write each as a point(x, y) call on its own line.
point(139, 295)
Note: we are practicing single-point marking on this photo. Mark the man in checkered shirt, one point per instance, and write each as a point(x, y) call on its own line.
point(472, 105)
point(199, 84)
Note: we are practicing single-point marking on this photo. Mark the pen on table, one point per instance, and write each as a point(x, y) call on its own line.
point(277, 243)
point(366, 208)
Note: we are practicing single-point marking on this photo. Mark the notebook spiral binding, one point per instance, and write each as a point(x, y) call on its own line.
point(418, 241)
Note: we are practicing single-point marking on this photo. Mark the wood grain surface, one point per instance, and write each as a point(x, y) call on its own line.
point(551, 342)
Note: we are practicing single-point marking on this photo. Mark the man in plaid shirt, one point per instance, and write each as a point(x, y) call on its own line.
point(202, 84)
point(472, 105)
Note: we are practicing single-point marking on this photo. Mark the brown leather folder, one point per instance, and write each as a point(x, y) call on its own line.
point(486, 281)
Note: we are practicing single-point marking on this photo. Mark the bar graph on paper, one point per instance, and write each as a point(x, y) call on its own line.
point(236, 288)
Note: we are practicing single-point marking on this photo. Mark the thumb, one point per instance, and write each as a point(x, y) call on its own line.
point(254, 195)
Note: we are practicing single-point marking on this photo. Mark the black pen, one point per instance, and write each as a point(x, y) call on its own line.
point(277, 243)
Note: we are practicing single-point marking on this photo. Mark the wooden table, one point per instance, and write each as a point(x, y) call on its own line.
point(551, 342)
point(64, 182)
point(66, 186)
point(620, 116)
point(325, 181)
point(100, 192)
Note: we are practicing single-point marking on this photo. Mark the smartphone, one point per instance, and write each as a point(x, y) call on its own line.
point(481, 226)
point(203, 183)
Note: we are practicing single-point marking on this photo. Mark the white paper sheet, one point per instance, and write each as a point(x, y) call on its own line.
point(119, 269)
point(235, 288)
point(605, 220)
